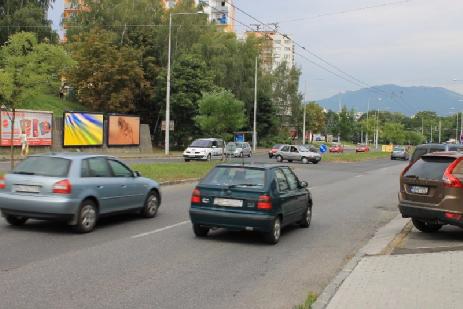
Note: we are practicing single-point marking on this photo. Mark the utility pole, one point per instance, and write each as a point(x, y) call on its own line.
point(368, 112)
point(440, 130)
point(431, 133)
point(422, 125)
point(305, 111)
point(166, 142)
point(377, 129)
point(254, 133)
point(461, 129)
point(456, 131)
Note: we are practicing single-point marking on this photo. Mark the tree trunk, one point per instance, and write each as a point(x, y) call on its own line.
point(13, 119)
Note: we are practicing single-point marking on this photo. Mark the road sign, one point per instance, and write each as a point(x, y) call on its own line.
point(171, 126)
point(239, 138)
point(323, 148)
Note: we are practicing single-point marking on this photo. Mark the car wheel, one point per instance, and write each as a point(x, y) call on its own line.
point(187, 160)
point(250, 154)
point(426, 227)
point(87, 217)
point(305, 160)
point(279, 159)
point(199, 230)
point(241, 154)
point(305, 222)
point(209, 158)
point(270, 156)
point(15, 220)
point(315, 162)
point(290, 161)
point(273, 236)
point(150, 209)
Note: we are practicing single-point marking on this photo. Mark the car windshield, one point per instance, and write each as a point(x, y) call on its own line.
point(239, 145)
point(44, 166)
point(429, 168)
point(235, 177)
point(201, 143)
point(399, 149)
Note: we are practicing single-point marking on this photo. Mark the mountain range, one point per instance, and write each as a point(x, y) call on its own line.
point(393, 98)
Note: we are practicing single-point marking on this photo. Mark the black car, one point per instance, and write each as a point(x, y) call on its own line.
point(254, 197)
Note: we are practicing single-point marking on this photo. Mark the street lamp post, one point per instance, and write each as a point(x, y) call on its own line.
point(167, 136)
point(254, 132)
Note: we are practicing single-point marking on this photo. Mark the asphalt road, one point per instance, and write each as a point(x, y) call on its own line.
point(158, 263)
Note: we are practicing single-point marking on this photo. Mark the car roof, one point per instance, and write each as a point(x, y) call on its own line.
point(71, 155)
point(208, 139)
point(452, 154)
point(253, 165)
point(435, 145)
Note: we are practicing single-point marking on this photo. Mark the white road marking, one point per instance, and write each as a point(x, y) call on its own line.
point(160, 230)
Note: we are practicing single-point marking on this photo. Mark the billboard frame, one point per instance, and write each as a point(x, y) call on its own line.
point(83, 146)
point(122, 145)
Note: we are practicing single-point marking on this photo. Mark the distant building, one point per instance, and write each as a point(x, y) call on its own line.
point(71, 8)
point(276, 49)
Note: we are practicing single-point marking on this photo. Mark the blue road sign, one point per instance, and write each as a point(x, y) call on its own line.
point(239, 138)
point(323, 148)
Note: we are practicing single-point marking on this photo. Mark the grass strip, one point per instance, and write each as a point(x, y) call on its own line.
point(310, 300)
point(355, 157)
point(162, 172)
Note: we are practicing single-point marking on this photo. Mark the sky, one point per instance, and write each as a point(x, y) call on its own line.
point(408, 43)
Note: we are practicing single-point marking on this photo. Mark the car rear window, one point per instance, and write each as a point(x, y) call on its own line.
point(44, 166)
point(235, 176)
point(431, 168)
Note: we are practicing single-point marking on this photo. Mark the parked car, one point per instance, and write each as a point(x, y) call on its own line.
point(400, 152)
point(429, 148)
point(256, 197)
point(204, 149)
point(431, 191)
point(275, 148)
point(297, 153)
point(239, 149)
point(362, 148)
point(76, 188)
point(337, 148)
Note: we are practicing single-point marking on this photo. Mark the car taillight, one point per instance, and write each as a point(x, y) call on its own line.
point(452, 216)
point(2, 182)
point(449, 179)
point(62, 187)
point(196, 197)
point(264, 202)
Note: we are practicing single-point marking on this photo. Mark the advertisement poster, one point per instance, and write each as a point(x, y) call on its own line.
point(123, 130)
point(83, 129)
point(36, 125)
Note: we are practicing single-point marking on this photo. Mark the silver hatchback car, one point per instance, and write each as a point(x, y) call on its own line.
point(76, 188)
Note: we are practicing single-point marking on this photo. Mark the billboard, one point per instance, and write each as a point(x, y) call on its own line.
point(36, 125)
point(82, 129)
point(123, 130)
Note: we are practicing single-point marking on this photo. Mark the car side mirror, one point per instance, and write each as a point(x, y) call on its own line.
point(136, 174)
point(304, 184)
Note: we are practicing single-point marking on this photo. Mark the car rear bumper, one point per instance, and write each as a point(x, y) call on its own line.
point(436, 216)
point(39, 207)
point(235, 221)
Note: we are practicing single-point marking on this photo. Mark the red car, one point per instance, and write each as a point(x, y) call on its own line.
point(362, 148)
point(275, 148)
point(337, 148)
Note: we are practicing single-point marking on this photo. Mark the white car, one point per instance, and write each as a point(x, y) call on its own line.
point(239, 149)
point(204, 149)
point(297, 153)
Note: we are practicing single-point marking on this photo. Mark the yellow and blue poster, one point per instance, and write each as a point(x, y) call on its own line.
point(83, 129)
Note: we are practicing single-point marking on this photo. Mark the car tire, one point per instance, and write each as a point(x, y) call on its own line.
point(151, 206)
point(279, 159)
point(270, 156)
point(305, 161)
point(187, 160)
point(273, 236)
point(15, 220)
point(305, 222)
point(87, 217)
point(209, 158)
point(426, 227)
point(315, 162)
point(290, 161)
point(199, 230)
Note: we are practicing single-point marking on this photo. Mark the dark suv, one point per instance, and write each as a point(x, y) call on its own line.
point(431, 191)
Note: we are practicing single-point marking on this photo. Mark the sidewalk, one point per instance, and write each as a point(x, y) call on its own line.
point(376, 279)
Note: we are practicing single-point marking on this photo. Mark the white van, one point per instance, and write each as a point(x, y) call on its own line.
point(204, 149)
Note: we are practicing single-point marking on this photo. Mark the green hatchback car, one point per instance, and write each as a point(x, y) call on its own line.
point(251, 197)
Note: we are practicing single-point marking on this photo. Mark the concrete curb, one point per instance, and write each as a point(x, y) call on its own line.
point(382, 242)
point(179, 182)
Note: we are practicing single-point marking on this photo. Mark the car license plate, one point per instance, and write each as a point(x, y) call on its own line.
point(225, 202)
point(26, 189)
point(419, 190)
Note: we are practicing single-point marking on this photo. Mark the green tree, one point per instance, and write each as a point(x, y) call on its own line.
point(26, 15)
point(108, 77)
point(315, 117)
point(414, 138)
point(346, 124)
point(220, 114)
point(28, 68)
point(332, 123)
point(394, 133)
